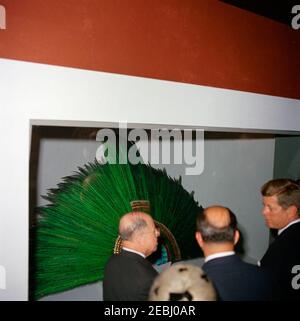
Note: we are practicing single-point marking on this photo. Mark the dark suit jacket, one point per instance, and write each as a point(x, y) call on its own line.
point(127, 277)
point(236, 280)
point(281, 256)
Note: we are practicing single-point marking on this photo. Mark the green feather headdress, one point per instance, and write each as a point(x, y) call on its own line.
point(77, 230)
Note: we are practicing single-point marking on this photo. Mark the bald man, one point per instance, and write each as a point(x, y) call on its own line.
point(235, 280)
point(128, 276)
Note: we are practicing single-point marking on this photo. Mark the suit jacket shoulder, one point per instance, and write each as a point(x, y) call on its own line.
point(282, 255)
point(236, 280)
point(127, 277)
point(283, 250)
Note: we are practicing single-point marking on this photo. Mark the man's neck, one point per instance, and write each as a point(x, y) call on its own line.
point(296, 220)
point(133, 251)
point(218, 255)
point(217, 248)
point(133, 247)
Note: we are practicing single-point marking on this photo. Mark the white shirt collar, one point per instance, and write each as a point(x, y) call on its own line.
point(133, 251)
point(217, 255)
point(284, 228)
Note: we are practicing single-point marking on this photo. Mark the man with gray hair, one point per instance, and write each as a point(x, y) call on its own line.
point(128, 276)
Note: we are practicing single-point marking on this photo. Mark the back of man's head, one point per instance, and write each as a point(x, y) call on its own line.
point(217, 224)
point(131, 223)
point(287, 192)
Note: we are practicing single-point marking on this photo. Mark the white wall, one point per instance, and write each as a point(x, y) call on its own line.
point(31, 91)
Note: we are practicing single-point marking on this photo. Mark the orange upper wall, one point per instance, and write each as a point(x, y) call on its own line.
point(194, 41)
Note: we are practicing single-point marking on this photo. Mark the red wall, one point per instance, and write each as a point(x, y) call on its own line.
point(194, 41)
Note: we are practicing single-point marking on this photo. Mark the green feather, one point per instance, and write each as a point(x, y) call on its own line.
point(77, 230)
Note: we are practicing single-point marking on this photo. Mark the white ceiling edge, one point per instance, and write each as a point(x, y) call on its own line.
point(95, 124)
point(53, 95)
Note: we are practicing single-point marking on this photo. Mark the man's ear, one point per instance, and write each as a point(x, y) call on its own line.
point(292, 212)
point(236, 236)
point(199, 238)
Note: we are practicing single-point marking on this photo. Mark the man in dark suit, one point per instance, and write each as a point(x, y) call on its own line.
point(281, 210)
point(128, 276)
point(234, 279)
